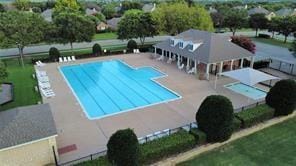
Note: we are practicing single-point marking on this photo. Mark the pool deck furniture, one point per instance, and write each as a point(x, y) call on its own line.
point(206, 52)
point(91, 136)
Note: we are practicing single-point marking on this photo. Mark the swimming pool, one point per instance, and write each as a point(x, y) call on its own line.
point(110, 87)
point(246, 90)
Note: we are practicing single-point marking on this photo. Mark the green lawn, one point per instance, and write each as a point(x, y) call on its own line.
point(105, 36)
point(275, 42)
point(275, 145)
point(24, 93)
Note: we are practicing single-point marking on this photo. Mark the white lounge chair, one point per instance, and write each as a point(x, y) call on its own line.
point(45, 85)
point(160, 58)
point(61, 59)
point(65, 59)
point(43, 79)
point(170, 60)
point(40, 64)
point(73, 58)
point(48, 93)
point(41, 73)
point(181, 67)
point(191, 71)
point(138, 51)
point(69, 59)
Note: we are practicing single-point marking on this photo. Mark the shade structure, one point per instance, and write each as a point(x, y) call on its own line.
point(248, 76)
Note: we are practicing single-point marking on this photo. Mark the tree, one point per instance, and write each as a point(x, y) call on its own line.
point(109, 10)
point(22, 4)
point(273, 25)
point(2, 9)
point(73, 27)
point(123, 148)
point(136, 24)
point(128, 5)
point(215, 118)
point(174, 18)
point(258, 21)
point(244, 42)
point(24, 29)
point(131, 45)
point(235, 19)
point(100, 17)
point(97, 49)
point(287, 25)
point(293, 47)
point(3, 72)
point(282, 97)
point(54, 53)
point(218, 19)
point(66, 6)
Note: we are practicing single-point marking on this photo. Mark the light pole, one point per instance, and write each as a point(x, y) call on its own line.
point(20, 52)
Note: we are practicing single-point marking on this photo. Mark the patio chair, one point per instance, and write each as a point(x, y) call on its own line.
point(65, 59)
point(169, 60)
point(73, 58)
point(41, 63)
point(41, 73)
point(181, 67)
point(160, 58)
point(69, 59)
point(43, 79)
point(47, 92)
point(45, 85)
point(60, 60)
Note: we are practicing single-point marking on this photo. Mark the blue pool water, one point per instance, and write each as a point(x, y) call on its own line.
point(110, 87)
point(246, 90)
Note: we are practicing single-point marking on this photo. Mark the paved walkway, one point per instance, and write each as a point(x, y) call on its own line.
point(204, 148)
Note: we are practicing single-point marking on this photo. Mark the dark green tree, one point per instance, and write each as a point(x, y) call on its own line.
point(282, 97)
point(73, 27)
point(287, 25)
point(54, 53)
point(128, 5)
point(22, 5)
point(2, 9)
point(131, 45)
point(274, 25)
point(136, 24)
point(123, 148)
point(215, 118)
point(293, 47)
point(3, 72)
point(97, 49)
point(258, 21)
point(20, 29)
point(235, 19)
point(109, 10)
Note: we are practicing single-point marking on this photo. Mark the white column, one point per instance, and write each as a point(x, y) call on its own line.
point(252, 61)
point(242, 63)
point(187, 67)
point(162, 52)
point(208, 71)
point(231, 65)
point(195, 70)
point(154, 51)
point(221, 67)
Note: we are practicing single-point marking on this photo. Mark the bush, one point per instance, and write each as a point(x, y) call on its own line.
point(265, 36)
point(255, 115)
point(123, 148)
point(200, 136)
point(131, 45)
point(36, 10)
point(215, 118)
point(97, 49)
point(54, 53)
point(237, 124)
point(3, 72)
point(261, 64)
point(166, 146)
point(282, 97)
point(101, 161)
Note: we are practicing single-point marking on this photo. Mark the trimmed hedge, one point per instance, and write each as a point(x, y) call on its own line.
point(166, 146)
point(200, 136)
point(255, 115)
point(236, 124)
point(101, 161)
point(265, 36)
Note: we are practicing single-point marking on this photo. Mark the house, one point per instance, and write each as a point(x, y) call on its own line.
point(92, 11)
point(92, 5)
point(113, 23)
point(47, 14)
point(101, 26)
point(203, 51)
point(149, 7)
point(28, 136)
point(261, 10)
point(286, 12)
point(241, 7)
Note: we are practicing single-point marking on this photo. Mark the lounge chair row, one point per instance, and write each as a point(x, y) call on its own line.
point(136, 51)
point(67, 59)
point(39, 64)
point(44, 85)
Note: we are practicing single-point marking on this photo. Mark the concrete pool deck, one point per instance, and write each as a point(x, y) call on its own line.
point(91, 136)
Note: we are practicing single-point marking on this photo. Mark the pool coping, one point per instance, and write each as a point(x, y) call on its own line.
point(134, 68)
point(225, 86)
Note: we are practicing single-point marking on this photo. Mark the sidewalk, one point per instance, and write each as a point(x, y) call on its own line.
point(198, 150)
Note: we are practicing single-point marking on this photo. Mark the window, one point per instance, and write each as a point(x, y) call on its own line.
point(190, 46)
point(172, 42)
point(181, 44)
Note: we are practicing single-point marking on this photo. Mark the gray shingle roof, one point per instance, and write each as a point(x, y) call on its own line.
point(215, 48)
point(112, 23)
point(47, 14)
point(284, 12)
point(258, 10)
point(25, 124)
point(148, 7)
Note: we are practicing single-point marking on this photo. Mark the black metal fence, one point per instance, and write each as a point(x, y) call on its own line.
point(249, 106)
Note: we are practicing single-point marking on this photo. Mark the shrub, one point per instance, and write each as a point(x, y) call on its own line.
point(200, 136)
point(244, 42)
point(54, 53)
point(255, 115)
point(262, 35)
point(215, 118)
point(131, 45)
point(3, 72)
point(97, 49)
point(101, 161)
point(123, 148)
point(36, 9)
point(261, 64)
point(166, 146)
point(282, 97)
point(237, 124)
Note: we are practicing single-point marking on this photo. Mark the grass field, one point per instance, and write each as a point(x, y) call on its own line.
point(105, 36)
point(24, 93)
point(272, 146)
point(275, 42)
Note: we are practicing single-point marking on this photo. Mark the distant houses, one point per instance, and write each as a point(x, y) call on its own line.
point(113, 23)
point(285, 12)
point(149, 7)
point(261, 10)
